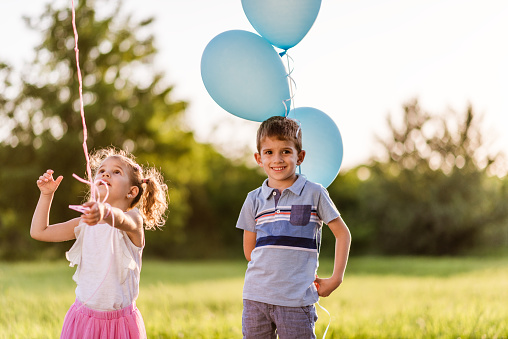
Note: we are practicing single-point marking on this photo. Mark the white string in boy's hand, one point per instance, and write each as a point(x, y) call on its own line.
point(47, 184)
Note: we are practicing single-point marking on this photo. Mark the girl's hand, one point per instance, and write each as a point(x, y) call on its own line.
point(47, 184)
point(94, 214)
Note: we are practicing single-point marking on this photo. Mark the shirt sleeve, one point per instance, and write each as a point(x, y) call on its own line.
point(247, 219)
point(327, 210)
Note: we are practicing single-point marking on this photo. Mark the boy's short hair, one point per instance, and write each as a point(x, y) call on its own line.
point(282, 128)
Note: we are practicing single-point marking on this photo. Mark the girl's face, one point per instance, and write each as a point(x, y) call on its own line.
point(114, 173)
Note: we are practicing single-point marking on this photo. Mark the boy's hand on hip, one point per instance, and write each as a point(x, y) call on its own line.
point(326, 286)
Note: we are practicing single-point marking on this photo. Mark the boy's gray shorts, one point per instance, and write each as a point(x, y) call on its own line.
point(260, 321)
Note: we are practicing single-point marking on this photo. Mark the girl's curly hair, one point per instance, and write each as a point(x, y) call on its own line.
point(152, 199)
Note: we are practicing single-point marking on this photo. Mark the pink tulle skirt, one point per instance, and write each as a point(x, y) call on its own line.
point(83, 322)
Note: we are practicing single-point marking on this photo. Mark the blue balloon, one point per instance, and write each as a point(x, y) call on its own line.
point(244, 74)
point(283, 23)
point(322, 143)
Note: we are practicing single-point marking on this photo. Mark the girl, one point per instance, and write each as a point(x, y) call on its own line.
point(109, 243)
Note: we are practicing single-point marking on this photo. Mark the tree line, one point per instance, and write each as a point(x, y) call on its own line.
point(431, 194)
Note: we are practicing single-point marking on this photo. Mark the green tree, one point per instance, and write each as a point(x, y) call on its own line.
point(346, 191)
point(127, 104)
point(432, 193)
point(215, 201)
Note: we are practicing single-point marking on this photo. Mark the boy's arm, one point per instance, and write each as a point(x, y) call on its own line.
point(342, 244)
point(249, 243)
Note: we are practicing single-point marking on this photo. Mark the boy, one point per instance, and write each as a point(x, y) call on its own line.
point(282, 222)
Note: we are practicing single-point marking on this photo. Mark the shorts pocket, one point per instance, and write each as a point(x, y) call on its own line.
point(311, 313)
point(300, 215)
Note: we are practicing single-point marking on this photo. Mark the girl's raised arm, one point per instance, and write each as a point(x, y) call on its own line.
point(40, 228)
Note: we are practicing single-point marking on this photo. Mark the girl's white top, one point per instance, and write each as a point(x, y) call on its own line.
point(109, 267)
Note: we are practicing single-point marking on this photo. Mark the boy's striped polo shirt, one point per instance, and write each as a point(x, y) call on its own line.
point(288, 235)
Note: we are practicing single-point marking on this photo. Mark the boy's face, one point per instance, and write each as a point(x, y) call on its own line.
point(279, 159)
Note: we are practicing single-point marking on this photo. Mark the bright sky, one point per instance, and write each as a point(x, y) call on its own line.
point(361, 60)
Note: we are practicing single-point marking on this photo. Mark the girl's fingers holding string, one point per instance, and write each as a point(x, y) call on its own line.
point(89, 205)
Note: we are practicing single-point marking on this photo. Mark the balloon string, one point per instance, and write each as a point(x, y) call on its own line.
point(93, 186)
point(291, 80)
point(329, 319)
point(81, 106)
point(291, 93)
point(291, 83)
point(318, 236)
point(291, 97)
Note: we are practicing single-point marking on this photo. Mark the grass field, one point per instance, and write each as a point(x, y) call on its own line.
point(380, 298)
